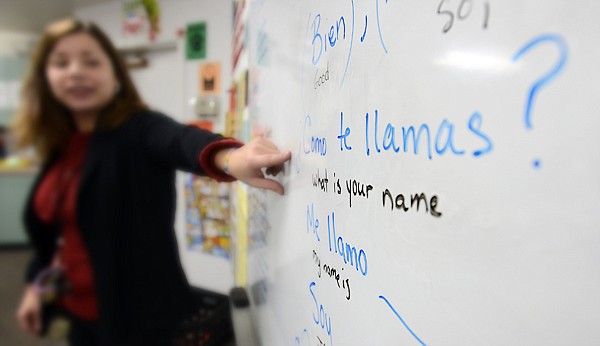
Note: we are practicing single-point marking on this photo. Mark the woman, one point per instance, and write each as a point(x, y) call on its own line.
point(103, 206)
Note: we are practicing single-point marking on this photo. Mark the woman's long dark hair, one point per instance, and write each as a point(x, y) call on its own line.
point(44, 122)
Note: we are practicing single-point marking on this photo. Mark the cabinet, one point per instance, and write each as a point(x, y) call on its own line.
point(12, 69)
point(14, 187)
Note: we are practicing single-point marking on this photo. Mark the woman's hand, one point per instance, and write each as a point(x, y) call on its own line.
point(30, 311)
point(247, 163)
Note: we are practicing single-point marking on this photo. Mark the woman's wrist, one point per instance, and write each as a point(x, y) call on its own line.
point(223, 158)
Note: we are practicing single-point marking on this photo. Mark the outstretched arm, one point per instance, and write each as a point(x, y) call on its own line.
point(246, 163)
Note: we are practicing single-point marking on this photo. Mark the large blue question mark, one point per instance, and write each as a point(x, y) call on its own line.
point(546, 78)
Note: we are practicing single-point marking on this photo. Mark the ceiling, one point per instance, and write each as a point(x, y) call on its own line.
point(33, 15)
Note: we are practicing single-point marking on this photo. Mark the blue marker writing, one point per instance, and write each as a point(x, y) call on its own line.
point(402, 320)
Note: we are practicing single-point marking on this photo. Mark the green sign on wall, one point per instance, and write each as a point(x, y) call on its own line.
point(196, 41)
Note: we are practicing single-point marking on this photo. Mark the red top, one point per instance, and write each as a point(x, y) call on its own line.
point(56, 198)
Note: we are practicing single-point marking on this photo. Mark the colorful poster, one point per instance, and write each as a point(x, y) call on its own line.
point(135, 22)
point(196, 41)
point(141, 18)
point(208, 216)
point(210, 78)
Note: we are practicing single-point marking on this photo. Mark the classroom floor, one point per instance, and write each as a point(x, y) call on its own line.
point(12, 264)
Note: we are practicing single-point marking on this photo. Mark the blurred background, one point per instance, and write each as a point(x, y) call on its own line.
point(181, 58)
point(20, 23)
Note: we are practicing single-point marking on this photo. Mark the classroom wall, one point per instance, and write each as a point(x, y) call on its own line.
point(169, 83)
point(15, 42)
point(177, 77)
point(14, 47)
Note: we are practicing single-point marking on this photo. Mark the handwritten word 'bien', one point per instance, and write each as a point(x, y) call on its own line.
point(322, 40)
point(324, 36)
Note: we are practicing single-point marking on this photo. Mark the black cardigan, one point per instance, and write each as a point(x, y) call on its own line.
point(126, 212)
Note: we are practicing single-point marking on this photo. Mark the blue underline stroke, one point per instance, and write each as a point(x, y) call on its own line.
point(402, 320)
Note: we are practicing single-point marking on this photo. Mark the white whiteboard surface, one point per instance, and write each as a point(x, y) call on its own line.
point(506, 96)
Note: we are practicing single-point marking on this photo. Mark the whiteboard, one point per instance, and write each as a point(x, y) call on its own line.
point(445, 175)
